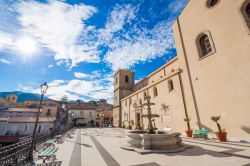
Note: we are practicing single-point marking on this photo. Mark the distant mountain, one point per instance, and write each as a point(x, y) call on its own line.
point(23, 96)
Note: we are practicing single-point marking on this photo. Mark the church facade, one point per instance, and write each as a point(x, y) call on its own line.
point(208, 77)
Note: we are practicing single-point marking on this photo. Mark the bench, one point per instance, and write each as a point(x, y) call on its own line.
point(200, 134)
point(48, 153)
point(58, 138)
point(50, 142)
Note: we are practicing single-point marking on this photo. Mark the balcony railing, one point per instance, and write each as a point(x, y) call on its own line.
point(18, 154)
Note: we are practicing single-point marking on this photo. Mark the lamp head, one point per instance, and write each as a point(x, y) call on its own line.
point(44, 88)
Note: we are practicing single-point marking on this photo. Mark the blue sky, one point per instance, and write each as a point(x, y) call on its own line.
point(77, 45)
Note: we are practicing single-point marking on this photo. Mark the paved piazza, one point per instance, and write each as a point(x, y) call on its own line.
point(100, 147)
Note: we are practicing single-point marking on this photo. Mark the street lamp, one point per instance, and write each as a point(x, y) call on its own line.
point(44, 88)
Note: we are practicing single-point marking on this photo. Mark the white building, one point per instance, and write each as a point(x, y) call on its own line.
point(21, 121)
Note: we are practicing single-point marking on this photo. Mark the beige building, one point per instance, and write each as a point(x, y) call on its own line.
point(104, 113)
point(209, 76)
point(82, 113)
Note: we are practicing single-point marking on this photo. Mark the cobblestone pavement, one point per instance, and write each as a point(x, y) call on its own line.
point(101, 147)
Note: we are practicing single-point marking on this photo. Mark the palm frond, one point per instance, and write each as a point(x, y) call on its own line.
point(215, 118)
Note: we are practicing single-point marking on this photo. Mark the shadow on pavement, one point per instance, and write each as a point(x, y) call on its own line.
point(52, 163)
point(86, 145)
point(198, 151)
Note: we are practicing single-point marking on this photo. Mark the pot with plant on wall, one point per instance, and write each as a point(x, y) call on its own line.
point(221, 134)
point(189, 132)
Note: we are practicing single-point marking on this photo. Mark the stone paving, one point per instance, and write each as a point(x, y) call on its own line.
point(101, 147)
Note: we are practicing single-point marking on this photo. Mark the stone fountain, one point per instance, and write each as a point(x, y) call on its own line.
point(151, 141)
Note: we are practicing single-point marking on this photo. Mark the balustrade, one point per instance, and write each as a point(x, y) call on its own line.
point(17, 154)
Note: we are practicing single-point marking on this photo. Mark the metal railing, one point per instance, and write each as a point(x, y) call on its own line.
point(18, 154)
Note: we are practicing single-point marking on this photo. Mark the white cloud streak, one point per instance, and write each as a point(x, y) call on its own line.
point(5, 61)
point(81, 75)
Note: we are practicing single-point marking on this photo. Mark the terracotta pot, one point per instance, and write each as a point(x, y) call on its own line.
point(221, 136)
point(140, 128)
point(189, 133)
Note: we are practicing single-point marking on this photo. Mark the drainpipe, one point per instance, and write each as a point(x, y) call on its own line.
point(189, 74)
point(183, 95)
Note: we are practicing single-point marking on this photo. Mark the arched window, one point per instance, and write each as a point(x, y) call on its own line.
point(126, 78)
point(248, 10)
point(205, 45)
point(245, 10)
point(144, 95)
point(212, 3)
point(48, 112)
point(116, 80)
point(155, 92)
point(170, 85)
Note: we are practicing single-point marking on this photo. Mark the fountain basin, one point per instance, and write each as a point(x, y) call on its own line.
point(160, 141)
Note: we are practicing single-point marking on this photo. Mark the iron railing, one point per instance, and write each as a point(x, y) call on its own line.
point(18, 154)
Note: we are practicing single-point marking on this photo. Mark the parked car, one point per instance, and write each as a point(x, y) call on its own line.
point(110, 125)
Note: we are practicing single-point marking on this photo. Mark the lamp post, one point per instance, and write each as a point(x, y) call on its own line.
point(44, 88)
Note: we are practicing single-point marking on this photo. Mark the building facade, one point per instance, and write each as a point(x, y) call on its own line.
point(21, 121)
point(82, 113)
point(104, 113)
point(208, 77)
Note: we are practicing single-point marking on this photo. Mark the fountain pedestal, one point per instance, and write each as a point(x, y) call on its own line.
point(146, 141)
point(151, 141)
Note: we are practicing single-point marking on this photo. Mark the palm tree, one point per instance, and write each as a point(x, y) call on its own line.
point(216, 119)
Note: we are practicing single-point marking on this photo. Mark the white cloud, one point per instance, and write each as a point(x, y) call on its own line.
point(58, 26)
point(145, 46)
point(56, 83)
point(77, 89)
point(119, 16)
point(81, 75)
point(5, 61)
point(177, 6)
point(6, 41)
point(50, 66)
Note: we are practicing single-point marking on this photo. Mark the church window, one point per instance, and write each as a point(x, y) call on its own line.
point(126, 79)
point(245, 10)
point(170, 85)
point(116, 80)
point(144, 95)
point(155, 92)
point(205, 45)
point(212, 3)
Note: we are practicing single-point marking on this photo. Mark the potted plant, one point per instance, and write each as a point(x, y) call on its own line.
point(130, 123)
point(221, 134)
point(140, 127)
point(189, 132)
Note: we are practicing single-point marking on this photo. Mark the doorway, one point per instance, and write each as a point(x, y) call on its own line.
point(138, 119)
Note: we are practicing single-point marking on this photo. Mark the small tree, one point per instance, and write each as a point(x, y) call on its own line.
point(188, 124)
point(216, 119)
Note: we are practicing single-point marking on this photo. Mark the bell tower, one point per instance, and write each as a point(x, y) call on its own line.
point(123, 86)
